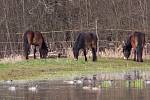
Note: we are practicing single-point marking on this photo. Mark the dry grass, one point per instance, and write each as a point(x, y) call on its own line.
point(117, 53)
point(110, 53)
point(12, 59)
point(107, 53)
point(69, 53)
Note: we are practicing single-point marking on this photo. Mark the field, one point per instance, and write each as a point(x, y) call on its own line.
point(65, 68)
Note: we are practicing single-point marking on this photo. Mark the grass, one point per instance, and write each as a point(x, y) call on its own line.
point(65, 68)
point(135, 84)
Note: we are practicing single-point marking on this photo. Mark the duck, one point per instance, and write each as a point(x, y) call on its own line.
point(86, 87)
point(12, 88)
point(147, 81)
point(69, 82)
point(33, 88)
point(96, 88)
point(110, 82)
point(8, 81)
point(92, 88)
point(78, 81)
point(91, 84)
point(87, 81)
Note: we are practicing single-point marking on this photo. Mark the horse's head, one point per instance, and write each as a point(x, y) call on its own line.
point(126, 50)
point(75, 53)
point(44, 52)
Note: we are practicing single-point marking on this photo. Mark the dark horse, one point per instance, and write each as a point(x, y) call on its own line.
point(85, 41)
point(136, 41)
point(36, 39)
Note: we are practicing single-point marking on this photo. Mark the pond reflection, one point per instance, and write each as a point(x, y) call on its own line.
point(59, 90)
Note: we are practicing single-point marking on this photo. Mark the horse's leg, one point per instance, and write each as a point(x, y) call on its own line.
point(34, 52)
point(137, 54)
point(27, 52)
point(142, 55)
point(40, 53)
point(84, 51)
point(26, 56)
point(94, 54)
point(134, 55)
point(140, 52)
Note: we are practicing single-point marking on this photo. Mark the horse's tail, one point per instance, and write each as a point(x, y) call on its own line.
point(26, 45)
point(144, 41)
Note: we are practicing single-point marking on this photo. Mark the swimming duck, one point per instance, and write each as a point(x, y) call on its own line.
point(8, 81)
point(147, 81)
point(69, 82)
point(12, 88)
point(78, 81)
point(91, 84)
point(33, 88)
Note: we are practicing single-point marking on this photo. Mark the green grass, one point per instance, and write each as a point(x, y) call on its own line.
point(65, 68)
point(105, 84)
point(135, 84)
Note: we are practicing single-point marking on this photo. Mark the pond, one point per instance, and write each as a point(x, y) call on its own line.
point(105, 89)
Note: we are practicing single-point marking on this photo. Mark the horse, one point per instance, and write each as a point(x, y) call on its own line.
point(35, 39)
point(136, 41)
point(85, 41)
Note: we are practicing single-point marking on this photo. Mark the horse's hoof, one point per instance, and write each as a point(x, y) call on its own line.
point(75, 59)
point(94, 60)
point(141, 61)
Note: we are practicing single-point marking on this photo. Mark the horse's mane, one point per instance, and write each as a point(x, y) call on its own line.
point(78, 41)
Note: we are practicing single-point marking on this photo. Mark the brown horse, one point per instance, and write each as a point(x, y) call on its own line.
point(136, 41)
point(85, 41)
point(36, 39)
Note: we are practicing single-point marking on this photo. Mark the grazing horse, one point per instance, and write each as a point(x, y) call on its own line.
point(36, 39)
point(85, 41)
point(136, 41)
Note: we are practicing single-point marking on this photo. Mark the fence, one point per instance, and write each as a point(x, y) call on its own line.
point(110, 20)
point(60, 41)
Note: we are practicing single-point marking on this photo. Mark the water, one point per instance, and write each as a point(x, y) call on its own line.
point(58, 90)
